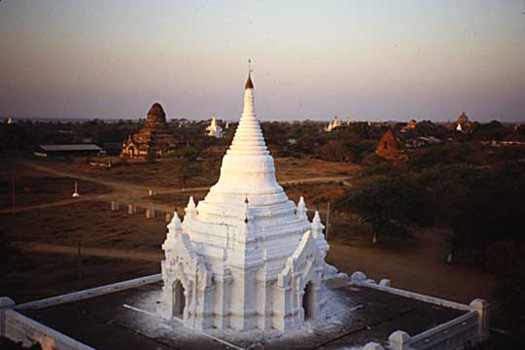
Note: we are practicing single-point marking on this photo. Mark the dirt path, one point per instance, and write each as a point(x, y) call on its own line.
point(130, 193)
point(128, 187)
point(424, 270)
point(53, 204)
point(95, 252)
point(120, 186)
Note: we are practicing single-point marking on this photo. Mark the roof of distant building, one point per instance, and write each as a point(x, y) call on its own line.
point(72, 147)
point(155, 137)
point(462, 119)
point(156, 110)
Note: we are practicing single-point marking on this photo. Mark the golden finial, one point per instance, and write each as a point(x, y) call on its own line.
point(249, 84)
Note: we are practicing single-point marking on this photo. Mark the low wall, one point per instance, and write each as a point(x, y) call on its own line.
point(89, 293)
point(456, 334)
point(421, 297)
point(450, 335)
point(20, 328)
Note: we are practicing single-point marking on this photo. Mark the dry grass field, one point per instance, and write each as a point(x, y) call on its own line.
point(164, 173)
point(37, 267)
point(36, 188)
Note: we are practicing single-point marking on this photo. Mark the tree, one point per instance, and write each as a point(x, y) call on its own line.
point(390, 204)
point(488, 226)
point(491, 210)
point(447, 153)
point(188, 154)
point(186, 170)
point(188, 165)
point(334, 151)
point(427, 128)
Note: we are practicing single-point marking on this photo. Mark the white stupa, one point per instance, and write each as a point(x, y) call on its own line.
point(75, 194)
point(214, 130)
point(334, 124)
point(246, 256)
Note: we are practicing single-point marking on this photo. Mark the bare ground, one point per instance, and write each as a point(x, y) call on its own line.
point(422, 269)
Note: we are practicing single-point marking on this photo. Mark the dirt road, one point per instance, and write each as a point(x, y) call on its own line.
point(128, 187)
point(39, 247)
point(423, 270)
point(132, 193)
point(53, 204)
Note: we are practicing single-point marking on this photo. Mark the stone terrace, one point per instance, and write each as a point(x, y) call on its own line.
point(127, 319)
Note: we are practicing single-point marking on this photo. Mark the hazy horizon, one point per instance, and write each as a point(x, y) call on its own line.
point(236, 119)
point(363, 60)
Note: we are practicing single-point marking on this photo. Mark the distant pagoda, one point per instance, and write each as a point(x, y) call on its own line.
point(463, 122)
point(389, 148)
point(334, 124)
point(154, 140)
point(214, 130)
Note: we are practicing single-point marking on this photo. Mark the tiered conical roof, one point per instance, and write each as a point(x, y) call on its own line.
point(248, 139)
point(247, 168)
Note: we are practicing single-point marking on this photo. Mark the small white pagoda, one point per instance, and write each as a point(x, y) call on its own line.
point(334, 124)
point(214, 130)
point(246, 256)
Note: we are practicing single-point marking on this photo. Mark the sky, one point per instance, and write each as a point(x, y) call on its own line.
point(364, 60)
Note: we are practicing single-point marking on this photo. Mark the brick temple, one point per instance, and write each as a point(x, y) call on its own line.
point(154, 140)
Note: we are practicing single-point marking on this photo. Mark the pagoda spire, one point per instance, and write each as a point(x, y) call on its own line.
point(248, 139)
point(247, 168)
point(249, 83)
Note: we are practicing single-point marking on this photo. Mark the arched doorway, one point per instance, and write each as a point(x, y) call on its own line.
point(179, 300)
point(308, 306)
